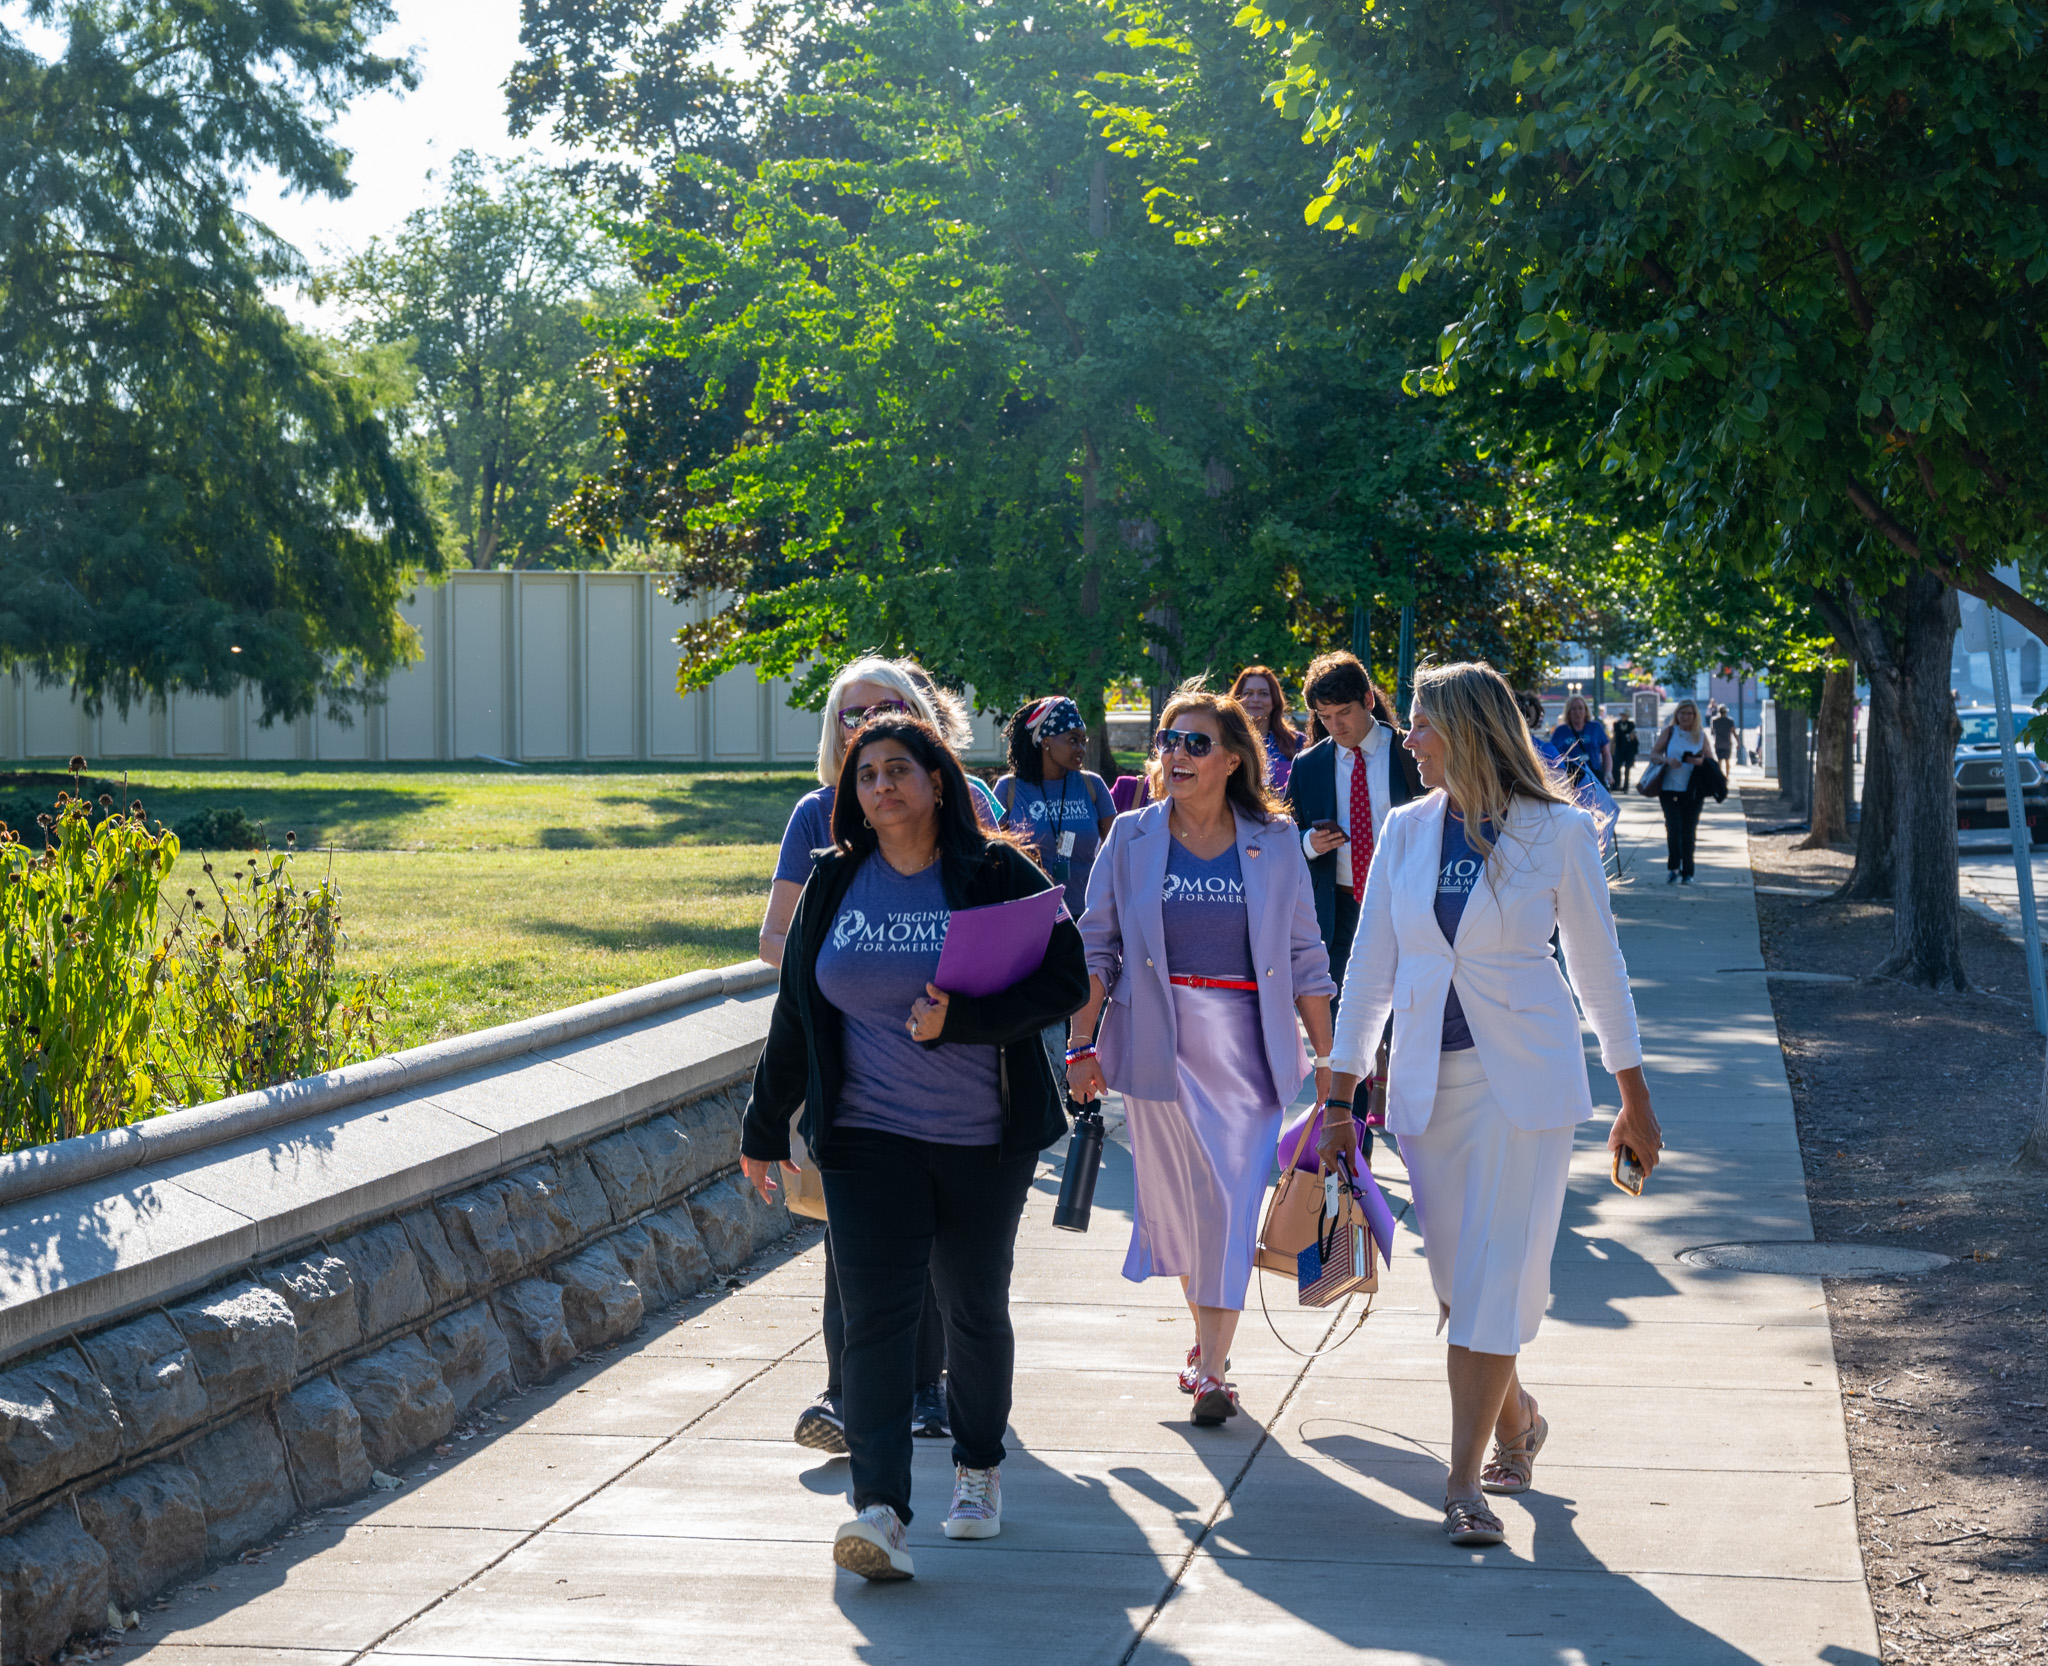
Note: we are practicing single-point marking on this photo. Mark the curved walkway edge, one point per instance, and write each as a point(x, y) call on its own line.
point(1694, 1505)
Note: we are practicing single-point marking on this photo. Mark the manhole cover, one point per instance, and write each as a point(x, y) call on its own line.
point(1815, 1260)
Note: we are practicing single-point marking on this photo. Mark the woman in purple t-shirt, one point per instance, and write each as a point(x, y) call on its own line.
point(926, 1111)
point(866, 688)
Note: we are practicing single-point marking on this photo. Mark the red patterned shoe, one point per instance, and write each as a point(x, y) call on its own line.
point(1191, 1373)
point(1215, 1400)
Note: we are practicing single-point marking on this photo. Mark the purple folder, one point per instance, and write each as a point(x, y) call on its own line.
point(988, 950)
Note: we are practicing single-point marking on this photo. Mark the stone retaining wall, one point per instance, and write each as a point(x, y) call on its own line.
point(182, 1430)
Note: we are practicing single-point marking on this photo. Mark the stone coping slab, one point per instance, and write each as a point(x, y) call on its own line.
point(87, 1157)
point(201, 1192)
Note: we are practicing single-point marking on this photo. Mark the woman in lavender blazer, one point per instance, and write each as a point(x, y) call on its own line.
point(1202, 949)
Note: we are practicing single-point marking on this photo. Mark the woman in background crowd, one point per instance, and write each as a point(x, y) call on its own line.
point(867, 687)
point(1581, 739)
point(925, 1112)
point(1258, 690)
point(1681, 749)
point(1202, 1039)
point(1488, 1074)
point(1063, 809)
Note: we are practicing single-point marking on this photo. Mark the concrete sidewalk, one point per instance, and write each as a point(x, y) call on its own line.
point(1694, 1504)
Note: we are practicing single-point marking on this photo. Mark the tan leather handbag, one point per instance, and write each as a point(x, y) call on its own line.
point(1294, 1213)
point(803, 1189)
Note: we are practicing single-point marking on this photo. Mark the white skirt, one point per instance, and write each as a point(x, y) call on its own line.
point(1488, 1198)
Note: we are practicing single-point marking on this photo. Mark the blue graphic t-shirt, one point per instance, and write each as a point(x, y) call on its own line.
point(810, 828)
point(1077, 803)
point(882, 950)
point(1201, 905)
point(1457, 873)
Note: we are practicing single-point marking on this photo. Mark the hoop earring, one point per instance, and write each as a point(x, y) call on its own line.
point(870, 826)
point(939, 801)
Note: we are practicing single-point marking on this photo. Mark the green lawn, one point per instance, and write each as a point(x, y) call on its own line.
point(480, 807)
point(487, 894)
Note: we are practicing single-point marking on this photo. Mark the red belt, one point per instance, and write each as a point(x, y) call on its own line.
point(1217, 983)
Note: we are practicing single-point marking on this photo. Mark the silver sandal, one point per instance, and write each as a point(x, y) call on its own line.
point(1467, 1521)
point(1513, 1467)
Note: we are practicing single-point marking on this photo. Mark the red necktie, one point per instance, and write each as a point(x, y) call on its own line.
point(1361, 824)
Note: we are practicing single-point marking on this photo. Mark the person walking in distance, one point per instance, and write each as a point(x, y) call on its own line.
point(925, 1112)
point(865, 687)
point(1201, 919)
point(1341, 791)
point(1488, 1073)
point(1580, 741)
point(1258, 690)
point(1626, 746)
point(1724, 738)
point(1681, 748)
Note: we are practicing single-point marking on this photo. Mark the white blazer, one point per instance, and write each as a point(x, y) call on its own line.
point(1515, 998)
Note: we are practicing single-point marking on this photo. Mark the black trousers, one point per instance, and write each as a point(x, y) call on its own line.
point(1681, 828)
point(905, 1212)
point(1341, 939)
point(931, 1331)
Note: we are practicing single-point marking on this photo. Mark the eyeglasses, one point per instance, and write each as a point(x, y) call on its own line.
point(852, 717)
point(1191, 741)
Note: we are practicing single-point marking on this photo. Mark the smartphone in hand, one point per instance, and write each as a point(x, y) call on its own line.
point(1329, 827)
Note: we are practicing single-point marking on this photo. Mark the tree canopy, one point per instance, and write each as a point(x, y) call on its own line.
point(486, 292)
point(191, 492)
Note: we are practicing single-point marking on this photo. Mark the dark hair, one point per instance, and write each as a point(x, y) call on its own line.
point(1531, 704)
point(962, 838)
point(1027, 762)
point(1337, 679)
point(1277, 724)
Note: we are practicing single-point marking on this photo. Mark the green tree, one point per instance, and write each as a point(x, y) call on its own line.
point(487, 291)
point(191, 492)
point(1788, 261)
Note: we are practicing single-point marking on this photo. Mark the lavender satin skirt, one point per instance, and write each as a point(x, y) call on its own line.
point(1202, 1160)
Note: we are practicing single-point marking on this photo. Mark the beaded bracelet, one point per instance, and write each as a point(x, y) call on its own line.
point(1085, 1051)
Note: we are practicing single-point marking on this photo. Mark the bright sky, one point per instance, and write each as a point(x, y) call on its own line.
point(464, 49)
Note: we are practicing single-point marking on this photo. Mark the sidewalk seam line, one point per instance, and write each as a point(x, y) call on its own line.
point(528, 1537)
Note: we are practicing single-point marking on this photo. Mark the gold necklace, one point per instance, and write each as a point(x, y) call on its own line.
point(907, 873)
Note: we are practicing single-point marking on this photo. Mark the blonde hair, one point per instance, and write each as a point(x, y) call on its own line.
point(1698, 723)
point(1246, 788)
point(1490, 759)
point(1582, 703)
point(911, 684)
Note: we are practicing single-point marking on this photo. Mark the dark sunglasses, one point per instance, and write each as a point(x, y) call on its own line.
point(852, 717)
point(1191, 741)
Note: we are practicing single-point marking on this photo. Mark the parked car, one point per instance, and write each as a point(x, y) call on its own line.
point(1980, 777)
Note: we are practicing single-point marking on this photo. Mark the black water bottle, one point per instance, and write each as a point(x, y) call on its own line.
point(1084, 1162)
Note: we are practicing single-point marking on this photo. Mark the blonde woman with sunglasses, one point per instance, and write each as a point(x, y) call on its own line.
point(1487, 1078)
point(1202, 952)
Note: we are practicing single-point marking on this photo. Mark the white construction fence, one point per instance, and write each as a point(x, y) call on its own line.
point(532, 667)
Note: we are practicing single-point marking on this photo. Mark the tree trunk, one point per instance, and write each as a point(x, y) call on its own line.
point(1877, 833)
point(1830, 784)
point(1792, 776)
point(1905, 641)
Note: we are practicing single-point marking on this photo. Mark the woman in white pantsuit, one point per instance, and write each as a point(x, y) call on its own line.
point(1487, 1077)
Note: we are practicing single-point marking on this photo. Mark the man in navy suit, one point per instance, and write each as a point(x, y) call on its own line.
point(1341, 791)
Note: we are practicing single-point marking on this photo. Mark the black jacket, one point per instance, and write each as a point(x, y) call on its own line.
point(804, 1062)
point(1312, 795)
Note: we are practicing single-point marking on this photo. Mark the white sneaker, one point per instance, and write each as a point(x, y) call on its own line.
point(977, 1511)
point(873, 1545)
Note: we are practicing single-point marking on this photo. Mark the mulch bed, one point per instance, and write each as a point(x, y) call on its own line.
point(1910, 1107)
